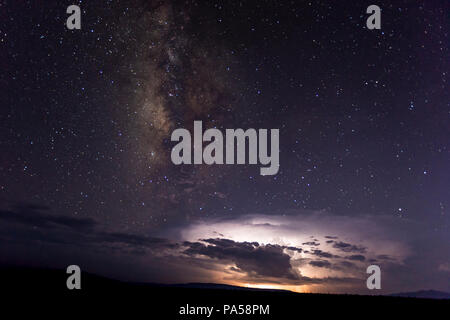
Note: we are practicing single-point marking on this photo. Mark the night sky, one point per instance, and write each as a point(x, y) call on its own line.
point(86, 119)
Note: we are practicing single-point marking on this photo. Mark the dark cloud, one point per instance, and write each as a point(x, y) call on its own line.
point(132, 240)
point(323, 254)
point(311, 243)
point(347, 247)
point(293, 248)
point(320, 263)
point(356, 257)
point(234, 269)
point(33, 215)
point(32, 224)
point(384, 257)
point(251, 257)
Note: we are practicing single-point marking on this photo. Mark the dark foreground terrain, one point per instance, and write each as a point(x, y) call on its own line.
point(37, 293)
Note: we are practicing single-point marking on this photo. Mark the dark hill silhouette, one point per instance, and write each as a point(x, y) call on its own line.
point(216, 286)
point(43, 292)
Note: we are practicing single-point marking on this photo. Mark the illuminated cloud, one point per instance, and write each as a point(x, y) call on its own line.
point(306, 248)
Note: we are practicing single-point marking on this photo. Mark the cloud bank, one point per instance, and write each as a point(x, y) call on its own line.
point(303, 251)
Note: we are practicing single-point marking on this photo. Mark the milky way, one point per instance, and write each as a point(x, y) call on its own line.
point(176, 77)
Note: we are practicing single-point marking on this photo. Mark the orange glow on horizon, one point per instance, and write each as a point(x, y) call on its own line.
point(299, 289)
point(221, 278)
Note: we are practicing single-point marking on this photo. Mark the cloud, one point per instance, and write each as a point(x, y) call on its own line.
point(33, 215)
point(130, 239)
point(31, 224)
point(311, 243)
point(323, 254)
point(251, 257)
point(293, 248)
point(384, 257)
point(346, 243)
point(254, 249)
point(320, 263)
point(356, 257)
point(347, 247)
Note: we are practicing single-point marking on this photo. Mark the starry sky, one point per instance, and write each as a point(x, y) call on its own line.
point(86, 118)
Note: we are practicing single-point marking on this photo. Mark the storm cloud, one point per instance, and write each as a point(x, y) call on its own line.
point(252, 249)
point(263, 260)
